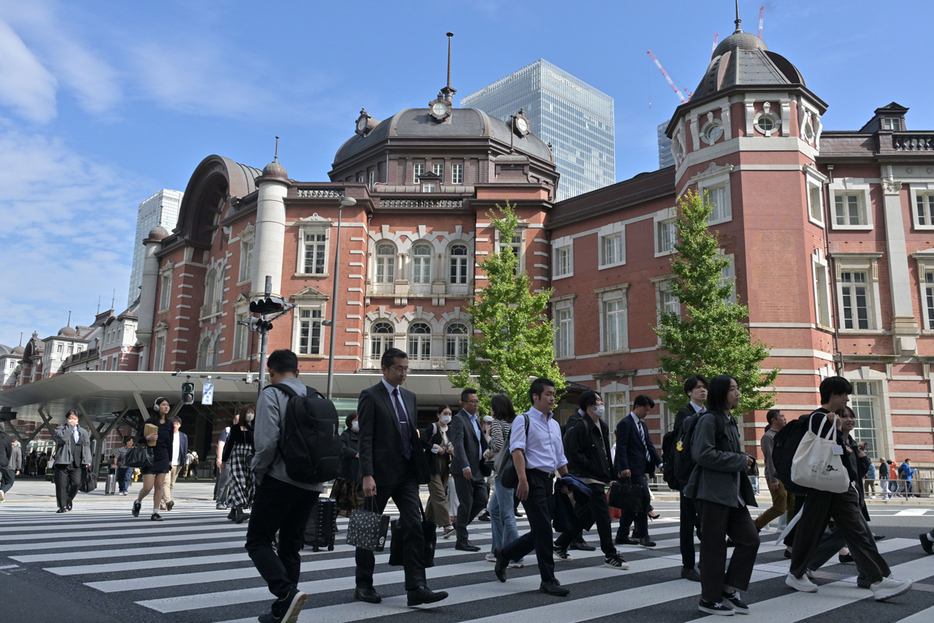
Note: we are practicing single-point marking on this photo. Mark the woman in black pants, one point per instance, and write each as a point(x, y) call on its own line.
point(161, 443)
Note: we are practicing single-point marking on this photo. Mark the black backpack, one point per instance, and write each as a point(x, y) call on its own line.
point(682, 463)
point(786, 443)
point(669, 443)
point(308, 442)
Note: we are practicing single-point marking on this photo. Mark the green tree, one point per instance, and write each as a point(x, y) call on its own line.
point(710, 336)
point(513, 339)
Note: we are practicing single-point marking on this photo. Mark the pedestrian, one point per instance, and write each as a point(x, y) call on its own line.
point(782, 500)
point(281, 504)
point(124, 473)
point(869, 481)
point(468, 467)
point(636, 458)
point(537, 453)
point(393, 466)
point(587, 448)
point(347, 490)
point(178, 460)
point(695, 388)
point(7, 472)
point(72, 454)
point(884, 477)
point(721, 493)
point(16, 459)
point(906, 473)
point(502, 514)
point(222, 483)
point(843, 508)
point(486, 427)
point(157, 433)
point(238, 458)
point(191, 465)
point(439, 450)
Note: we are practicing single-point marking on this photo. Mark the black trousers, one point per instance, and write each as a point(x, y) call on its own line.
point(405, 495)
point(601, 515)
point(67, 481)
point(718, 522)
point(279, 506)
point(7, 477)
point(641, 519)
point(539, 508)
point(472, 497)
point(688, 522)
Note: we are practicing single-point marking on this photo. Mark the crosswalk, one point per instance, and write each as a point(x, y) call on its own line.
point(193, 568)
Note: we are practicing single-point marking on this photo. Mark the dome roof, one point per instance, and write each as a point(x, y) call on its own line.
point(158, 233)
point(465, 123)
point(274, 169)
point(743, 59)
point(18, 350)
point(67, 332)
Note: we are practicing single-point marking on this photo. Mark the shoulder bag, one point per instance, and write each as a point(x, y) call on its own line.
point(504, 465)
point(816, 466)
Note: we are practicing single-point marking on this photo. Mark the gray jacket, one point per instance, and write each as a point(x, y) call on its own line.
point(270, 411)
point(65, 447)
point(719, 475)
point(16, 459)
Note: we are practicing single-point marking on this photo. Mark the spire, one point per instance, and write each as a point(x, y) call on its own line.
point(738, 20)
point(449, 91)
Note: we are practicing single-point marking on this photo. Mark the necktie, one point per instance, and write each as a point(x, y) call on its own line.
point(644, 445)
point(404, 423)
point(76, 434)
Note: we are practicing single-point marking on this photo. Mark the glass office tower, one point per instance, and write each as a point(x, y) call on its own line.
point(574, 117)
point(665, 159)
point(160, 209)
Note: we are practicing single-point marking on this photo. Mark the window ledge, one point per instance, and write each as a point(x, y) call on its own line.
point(923, 227)
point(613, 265)
point(814, 221)
point(312, 357)
point(720, 221)
point(564, 276)
point(862, 331)
point(310, 276)
point(622, 351)
point(573, 357)
point(243, 283)
point(663, 253)
point(852, 227)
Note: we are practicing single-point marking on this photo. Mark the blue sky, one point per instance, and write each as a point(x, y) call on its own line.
point(104, 103)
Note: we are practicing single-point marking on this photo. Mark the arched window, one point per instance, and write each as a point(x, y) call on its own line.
point(458, 263)
point(421, 264)
point(385, 263)
point(456, 341)
point(204, 353)
point(380, 338)
point(419, 341)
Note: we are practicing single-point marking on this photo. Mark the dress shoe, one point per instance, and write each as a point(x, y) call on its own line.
point(690, 574)
point(583, 546)
point(68, 506)
point(424, 595)
point(553, 587)
point(845, 558)
point(625, 540)
point(878, 537)
point(484, 516)
point(137, 505)
point(926, 544)
point(466, 546)
point(62, 510)
point(646, 542)
point(240, 516)
point(367, 594)
point(787, 554)
point(501, 563)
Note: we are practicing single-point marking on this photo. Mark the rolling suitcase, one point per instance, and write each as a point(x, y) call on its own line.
point(322, 525)
point(111, 487)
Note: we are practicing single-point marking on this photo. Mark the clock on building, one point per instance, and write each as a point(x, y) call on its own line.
point(439, 109)
point(520, 123)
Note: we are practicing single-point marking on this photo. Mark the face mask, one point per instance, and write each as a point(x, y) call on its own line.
point(445, 419)
point(599, 410)
point(488, 418)
point(355, 426)
point(249, 417)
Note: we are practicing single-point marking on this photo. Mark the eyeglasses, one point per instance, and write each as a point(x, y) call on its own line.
point(399, 369)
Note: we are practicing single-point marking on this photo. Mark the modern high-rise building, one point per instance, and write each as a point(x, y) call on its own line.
point(574, 117)
point(665, 158)
point(160, 209)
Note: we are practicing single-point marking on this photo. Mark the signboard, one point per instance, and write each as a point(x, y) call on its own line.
point(207, 393)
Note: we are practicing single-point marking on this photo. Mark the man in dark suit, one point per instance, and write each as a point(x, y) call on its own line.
point(696, 390)
point(72, 452)
point(393, 465)
point(635, 458)
point(177, 460)
point(468, 467)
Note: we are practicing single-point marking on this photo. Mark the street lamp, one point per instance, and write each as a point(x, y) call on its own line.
point(345, 202)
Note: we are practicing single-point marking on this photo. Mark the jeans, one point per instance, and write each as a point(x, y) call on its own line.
point(502, 517)
point(124, 475)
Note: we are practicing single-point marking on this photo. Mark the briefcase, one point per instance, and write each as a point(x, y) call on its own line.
point(430, 533)
point(368, 528)
point(625, 496)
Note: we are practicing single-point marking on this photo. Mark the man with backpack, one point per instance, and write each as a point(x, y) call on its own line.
point(782, 500)
point(281, 504)
point(905, 473)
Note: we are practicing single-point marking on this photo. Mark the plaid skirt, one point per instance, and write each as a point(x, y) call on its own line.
point(242, 483)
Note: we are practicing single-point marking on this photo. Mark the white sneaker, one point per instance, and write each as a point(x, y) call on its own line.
point(803, 584)
point(516, 565)
point(1, 496)
point(491, 557)
point(889, 587)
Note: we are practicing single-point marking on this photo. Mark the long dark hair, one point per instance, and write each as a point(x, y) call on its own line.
point(718, 391)
point(502, 408)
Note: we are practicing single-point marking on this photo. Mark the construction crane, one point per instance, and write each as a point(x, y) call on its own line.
point(668, 78)
point(761, 11)
point(714, 47)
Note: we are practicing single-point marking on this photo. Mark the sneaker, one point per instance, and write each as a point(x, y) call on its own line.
point(156, 517)
point(289, 608)
point(711, 607)
point(562, 554)
point(169, 505)
point(736, 603)
point(615, 562)
point(491, 557)
point(517, 564)
point(803, 584)
point(221, 506)
point(1, 496)
point(123, 493)
point(484, 516)
point(889, 587)
point(449, 532)
point(926, 544)
point(137, 505)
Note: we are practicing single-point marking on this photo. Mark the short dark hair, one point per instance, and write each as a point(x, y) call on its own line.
point(537, 388)
point(834, 385)
point(643, 401)
point(390, 355)
point(350, 418)
point(717, 392)
point(127, 440)
point(441, 410)
point(70, 413)
point(588, 399)
point(771, 415)
point(467, 393)
point(502, 408)
point(175, 419)
point(283, 361)
point(694, 381)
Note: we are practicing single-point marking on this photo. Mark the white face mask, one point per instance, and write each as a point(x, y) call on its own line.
point(599, 410)
point(355, 426)
point(488, 418)
point(445, 419)
point(249, 417)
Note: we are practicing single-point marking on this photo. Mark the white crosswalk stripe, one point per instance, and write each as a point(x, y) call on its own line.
point(193, 567)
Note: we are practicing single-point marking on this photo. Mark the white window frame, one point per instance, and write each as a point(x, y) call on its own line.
point(384, 266)
point(605, 296)
point(246, 259)
point(301, 320)
point(457, 174)
point(241, 336)
point(729, 274)
point(438, 169)
point(853, 187)
point(715, 181)
point(563, 254)
point(893, 124)
point(665, 299)
point(428, 187)
point(458, 266)
point(859, 263)
point(418, 168)
point(318, 229)
point(419, 277)
point(664, 218)
point(867, 396)
point(924, 191)
point(418, 343)
point(925, 261)
point(821, 279)
point(563, 314)
point(815, 187)
point(459, 343)
point(371, 179)
point(165, 291)
point(613, 234)
point(384, 339)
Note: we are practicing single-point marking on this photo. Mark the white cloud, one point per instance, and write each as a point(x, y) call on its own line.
point(26, 86)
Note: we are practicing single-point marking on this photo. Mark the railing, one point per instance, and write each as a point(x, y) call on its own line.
point(211, 309)
point(319, 193)
point(441, 364)
point(421, 203)
point(913, 141)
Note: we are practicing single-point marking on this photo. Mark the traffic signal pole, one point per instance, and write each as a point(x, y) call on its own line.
point(263, 336)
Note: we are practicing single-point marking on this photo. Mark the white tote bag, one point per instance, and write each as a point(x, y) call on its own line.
point(816, 466)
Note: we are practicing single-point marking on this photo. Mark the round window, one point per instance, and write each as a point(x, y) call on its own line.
point(766, 123)
point(713, 132)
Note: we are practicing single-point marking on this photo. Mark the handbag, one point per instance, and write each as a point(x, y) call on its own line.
point(815, 465)
point(505, 468)
point(625, 496)
point(88, 480)
point(139, 456)
point(368, 528)
point(430, 533)
point(615, 513)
